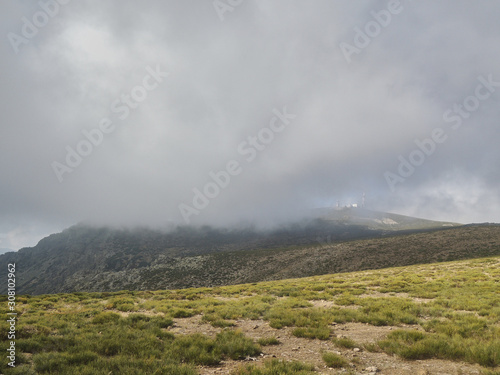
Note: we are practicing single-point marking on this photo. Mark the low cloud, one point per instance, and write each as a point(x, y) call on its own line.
point(353, 118)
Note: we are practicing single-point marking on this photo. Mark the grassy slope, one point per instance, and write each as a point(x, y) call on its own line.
point(456, 305)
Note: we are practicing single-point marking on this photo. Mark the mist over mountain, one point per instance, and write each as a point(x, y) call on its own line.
point(157, 115)
point(86, 257)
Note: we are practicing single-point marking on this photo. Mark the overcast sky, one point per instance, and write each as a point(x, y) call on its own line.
point(116, 111)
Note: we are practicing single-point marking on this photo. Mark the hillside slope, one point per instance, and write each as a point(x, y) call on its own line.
point(430, 319)
point(59, 260)
point(260, 265)
point(89, 250)
point(92, 269)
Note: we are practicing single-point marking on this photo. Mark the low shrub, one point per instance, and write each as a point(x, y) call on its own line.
point(106, 317)
point(334, 360)
point(322, 333)
point(265, 341)
point(277, 367)
point(235, 345)
point(345, 342)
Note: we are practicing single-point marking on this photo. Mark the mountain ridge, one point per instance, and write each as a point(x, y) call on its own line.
point(4, 250)
point(86, 258)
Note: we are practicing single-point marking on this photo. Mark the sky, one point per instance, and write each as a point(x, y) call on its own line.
point(159, 113)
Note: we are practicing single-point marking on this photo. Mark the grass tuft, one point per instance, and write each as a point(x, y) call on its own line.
point(334, 360)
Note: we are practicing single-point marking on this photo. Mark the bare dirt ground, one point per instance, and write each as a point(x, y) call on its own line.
point(309, 351)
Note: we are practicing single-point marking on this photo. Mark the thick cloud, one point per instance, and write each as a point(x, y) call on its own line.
point(358, 102)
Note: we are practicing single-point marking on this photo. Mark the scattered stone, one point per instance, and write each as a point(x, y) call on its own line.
point(373, 369)
point(356, 350)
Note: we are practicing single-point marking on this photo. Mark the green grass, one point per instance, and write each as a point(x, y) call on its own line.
point(334, 360)
point(415, 345)
point(322, 333)
point(276, 367)
point(235, 345)
point(345, 342)
point(216, 321)
point(265, 341)
point(456, 307)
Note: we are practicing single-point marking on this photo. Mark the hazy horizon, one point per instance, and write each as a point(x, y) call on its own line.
point(174, 113)
point(242, 225)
